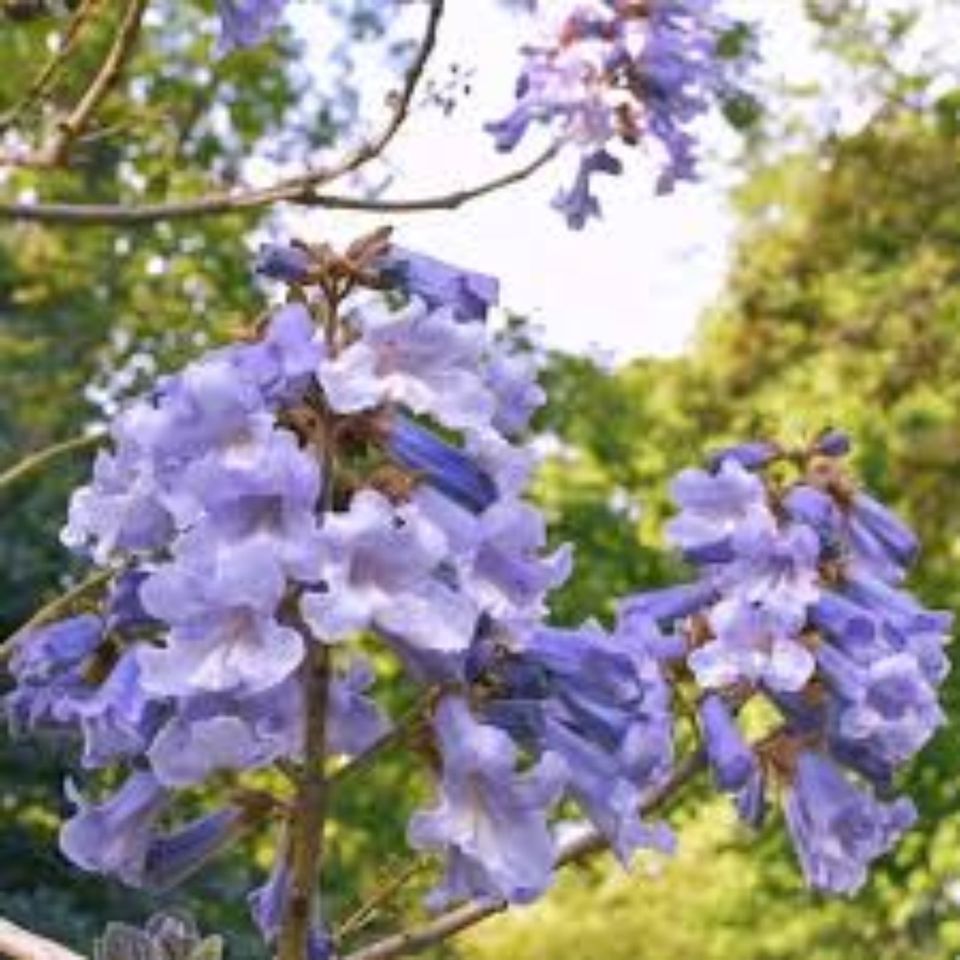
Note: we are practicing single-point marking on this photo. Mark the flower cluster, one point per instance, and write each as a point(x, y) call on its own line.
point(346, 470)
point(800, 600)
point(630, 72)
point(351, 470)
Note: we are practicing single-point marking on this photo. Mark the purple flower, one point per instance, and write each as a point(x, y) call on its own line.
point(881, 541)
point(670, 604)
point(173, 857)
point(419, 358)
point(612, 75)
point(468, 295)
point(261, 494)
point(379, 568)
point(245, 23)
point(354, 721)
point(507, 571)
point(440, 464)
point(210, 734)
point(889, 708)
point(837, 829)
point(48, 651)
point(600, 704)
point(490, 821)
point(731, 759)
point(750, 645)
point(221, 606)
point(833, 443)
point(284, 360)
point(715, 506)
point(513, 365)
point(579, 203)
point(269, 903)
point(113, 838)
point(752, 455)
point(286, 262)
point(119, 512)
point(118, 718)
point(776, 569)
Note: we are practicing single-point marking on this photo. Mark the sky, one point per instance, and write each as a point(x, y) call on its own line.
point(635, 283)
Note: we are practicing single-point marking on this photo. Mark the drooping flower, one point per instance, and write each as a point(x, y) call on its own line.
point(837, 829)
point(600, 704)
point(490, 821)
point(115, 836)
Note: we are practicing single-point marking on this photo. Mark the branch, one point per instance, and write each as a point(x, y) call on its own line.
point(72, 125)
point(451, 922)
point(299, 189)
point(19, 944)
point(121, 215)
point(308, 822)
point(381, 897)
point(41, 458)
point(394, 736)
point(69, 127)
point(78, 21)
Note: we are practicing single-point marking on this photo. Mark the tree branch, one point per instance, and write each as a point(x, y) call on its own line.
point(307, 824)
point(78, 21)
point(298, 189)
point(120, 215)
point(69, 127)
point(41, 458)
point(302, 190)
point(19, 944)
point(454, 921)
point(394, 736)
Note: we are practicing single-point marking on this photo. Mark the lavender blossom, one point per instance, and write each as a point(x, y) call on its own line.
point(245, 23)
point(838, 830)
point(468, 295)
point(613, 73)
point(490, 821)
point(799, 601)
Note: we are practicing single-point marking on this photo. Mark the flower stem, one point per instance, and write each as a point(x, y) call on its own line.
point(310, 807)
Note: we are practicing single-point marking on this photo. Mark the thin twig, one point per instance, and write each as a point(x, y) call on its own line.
point(41, 458)
point(72, 125)
point(302, 190)
point(78, 21)
point(19, 944)
point(382, 896)
point(54, 609)
point(451, 922)
point(395, 735)
point(134, 215)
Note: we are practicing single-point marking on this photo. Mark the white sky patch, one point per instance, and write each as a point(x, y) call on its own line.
point(635, 283)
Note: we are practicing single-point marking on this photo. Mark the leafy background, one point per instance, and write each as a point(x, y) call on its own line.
point(842, 307)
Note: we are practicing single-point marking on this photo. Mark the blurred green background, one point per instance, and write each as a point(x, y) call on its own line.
point(842, 308)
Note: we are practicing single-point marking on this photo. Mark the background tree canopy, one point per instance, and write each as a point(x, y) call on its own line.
point(842, 308)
